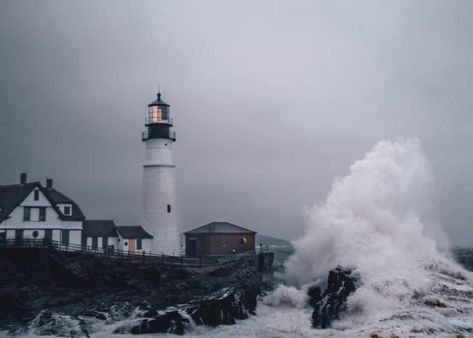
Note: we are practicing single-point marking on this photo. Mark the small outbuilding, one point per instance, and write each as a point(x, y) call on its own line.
point(219, 239)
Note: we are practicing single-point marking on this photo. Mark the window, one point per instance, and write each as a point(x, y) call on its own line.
point(67, 210)
point(139, 244)
point(26, 214)
point(65, 237)
point(95, 245)
point(42, 214)
point(169, 208)
point(125, 243)
point(36, 195)
point(243, 240)
point(223, 242)
point(35, 234)
point(19, 234)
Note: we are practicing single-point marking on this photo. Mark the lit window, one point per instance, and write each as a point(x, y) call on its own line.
point(243, 240)
point(155, 114)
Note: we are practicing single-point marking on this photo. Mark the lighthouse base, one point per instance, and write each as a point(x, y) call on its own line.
point(159, 214)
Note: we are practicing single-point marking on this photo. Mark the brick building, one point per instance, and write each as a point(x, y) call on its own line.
point(219, 239)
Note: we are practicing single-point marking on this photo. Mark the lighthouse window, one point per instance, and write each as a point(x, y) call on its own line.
point(155, 114)
point(169, 208)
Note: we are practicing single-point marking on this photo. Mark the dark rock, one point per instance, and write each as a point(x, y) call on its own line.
point(224, 307)
point(167, 322)
point(329, 305)
point(82, 285)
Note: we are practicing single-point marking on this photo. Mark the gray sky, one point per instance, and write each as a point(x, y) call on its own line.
point(271, 100)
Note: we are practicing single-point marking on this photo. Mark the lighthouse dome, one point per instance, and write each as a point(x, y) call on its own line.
point(158, 102)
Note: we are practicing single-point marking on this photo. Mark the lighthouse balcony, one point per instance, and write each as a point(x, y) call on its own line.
point(155, 120)
point(146, 135)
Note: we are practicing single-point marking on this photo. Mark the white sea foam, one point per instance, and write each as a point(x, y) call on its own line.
point(375, 220)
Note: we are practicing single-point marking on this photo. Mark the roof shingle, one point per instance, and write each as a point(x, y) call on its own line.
point(220, 228)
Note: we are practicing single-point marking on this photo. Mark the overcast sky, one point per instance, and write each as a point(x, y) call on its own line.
point(271, 100)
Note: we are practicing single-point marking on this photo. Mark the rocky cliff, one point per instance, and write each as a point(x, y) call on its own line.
point(36, 284)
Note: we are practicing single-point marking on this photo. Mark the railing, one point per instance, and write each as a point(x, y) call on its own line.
point(119, 254)
point(149, 120)
point(171, 136)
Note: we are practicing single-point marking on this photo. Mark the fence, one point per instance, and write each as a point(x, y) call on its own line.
point(119, 254)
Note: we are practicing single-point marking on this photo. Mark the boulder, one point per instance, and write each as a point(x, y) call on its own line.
point(166, 322)
point(223, 307)
point(328, 306)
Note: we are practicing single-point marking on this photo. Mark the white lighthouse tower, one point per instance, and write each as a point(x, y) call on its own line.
point(159, 210)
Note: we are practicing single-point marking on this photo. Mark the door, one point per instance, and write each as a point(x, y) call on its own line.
point(131, 245)
point(19, 234)
point(192, 249)
point(48, 236)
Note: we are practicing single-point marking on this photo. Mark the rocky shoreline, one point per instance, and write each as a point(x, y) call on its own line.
point(38, 284)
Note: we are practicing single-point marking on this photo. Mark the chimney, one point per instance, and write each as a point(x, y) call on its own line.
point(23, 178)
point(49, 183)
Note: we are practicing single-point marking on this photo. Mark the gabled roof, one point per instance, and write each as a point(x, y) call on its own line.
point(58, 198)
point(11, 197)
point(132, 231)
point(220, 228)
point(99, 228)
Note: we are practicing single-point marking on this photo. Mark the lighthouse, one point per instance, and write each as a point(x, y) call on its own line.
point(158, 192)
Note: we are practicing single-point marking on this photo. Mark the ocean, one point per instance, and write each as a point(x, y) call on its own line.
point(379, 221)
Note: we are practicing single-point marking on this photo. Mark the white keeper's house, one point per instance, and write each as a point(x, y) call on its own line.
point(29, 210)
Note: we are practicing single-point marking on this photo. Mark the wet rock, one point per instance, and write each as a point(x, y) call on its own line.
point(223, 307)
point(167, 322)
point(328, 306)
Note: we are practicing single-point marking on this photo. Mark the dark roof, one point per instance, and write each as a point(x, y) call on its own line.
point(99, 228)
point(220, 228)
point(158, 102)
point(58, 198)
point(132, 231)
point(11, 196)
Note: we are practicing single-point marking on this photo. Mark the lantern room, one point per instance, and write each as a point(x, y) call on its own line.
point(158, 112)
point(158, 122)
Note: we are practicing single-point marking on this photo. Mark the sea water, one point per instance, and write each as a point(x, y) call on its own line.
point(379, 221)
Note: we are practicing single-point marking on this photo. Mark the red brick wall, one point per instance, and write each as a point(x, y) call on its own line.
point(223, 244)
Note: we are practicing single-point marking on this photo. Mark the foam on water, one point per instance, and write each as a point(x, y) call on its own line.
point(374, 220)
